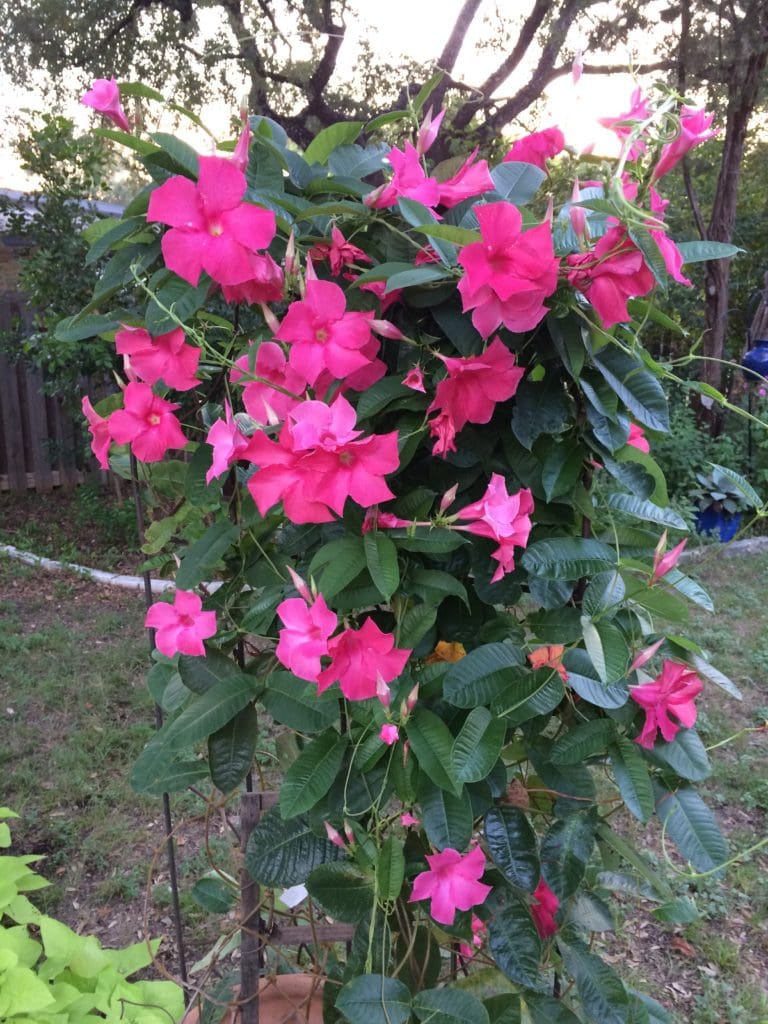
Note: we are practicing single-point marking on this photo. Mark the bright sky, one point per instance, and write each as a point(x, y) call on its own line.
point(419, 29)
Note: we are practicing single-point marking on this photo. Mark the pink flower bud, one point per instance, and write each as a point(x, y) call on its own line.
point(290, 263)
point(389, 734)
point(300, 584)
point(414, 380)
point(241, 150)
point(269, 318)
point(577, 67)
point(646, 655)
point(411, 699)
point(372, 198)
point(448, 499)
point(334, 836)
point(382, 690)
point(662, 564)
point(385, 329)
point(428, 131)
point(349, 833)
point(408, 819)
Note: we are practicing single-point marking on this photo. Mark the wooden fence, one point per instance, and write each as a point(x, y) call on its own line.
point(41, 441)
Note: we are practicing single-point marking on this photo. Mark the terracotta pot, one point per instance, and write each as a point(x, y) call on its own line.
point(283, 999)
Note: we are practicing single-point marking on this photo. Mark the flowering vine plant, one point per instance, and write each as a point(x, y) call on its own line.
point(407, 421)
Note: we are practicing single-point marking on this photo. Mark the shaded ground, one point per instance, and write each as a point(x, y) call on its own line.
point(74, 713)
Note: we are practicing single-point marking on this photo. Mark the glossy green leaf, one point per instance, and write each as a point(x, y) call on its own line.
point(482, 675)
point(602, 992)
point(174, 777)
point(433, 586)
point(588, 739)
point(632, 777)
point(511, 843)
point(449, 1006)
point(312, 773)
point(561, 469)
point(541, 407)
point(374, 999)
point(646, 511)
point(201, 558)
point(432, 743)
point(416, 277)
point(341, 134)
point(180, 152)
point(390, 868)
point(381, 559)
point(428, 540)
point(415, 625)
point(637, 388)
point(297, 704)
point(700, 251)
point(714, 675)
point(213, 894)
point(513, 939)
point(447, 818)
point(478, 745)
point(336, 564)
point(690, 824)
point(231, 750)
point(567, 558)
point(679, 911)
point(566, 850)
point(517, 182)
point(607, 649)
point(284, 853)
point(686, 755)
point(529, 695)
point(200, 674)
point(341, 890)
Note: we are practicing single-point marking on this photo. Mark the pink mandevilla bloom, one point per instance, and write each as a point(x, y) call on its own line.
point(100, 435)
point(510, 273)
point(637, 438)
point(624, 124)
point(672, 693)
point(318, 461)
point(324, 336)
point(673, 258)
point(478, 930)
point(212, 229)
point(414, 379)
point(472, 179)
point(164, 357)
point(359, 657)
point(452, 883)
point(339, 252)
point(407, 819)
point(389, 734)
point(265, 285)
point(182, 626)
point(409, 181)
point(264, 403)
point(471, 390)
point(304, 640)
point(104, 97)
point(543, 910)
point(228, 444)
point(147, 423)
point(612, 273)
point(695, 128)
point(537, 148)
point(501, 517)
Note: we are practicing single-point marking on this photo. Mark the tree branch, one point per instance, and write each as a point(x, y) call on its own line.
point(447, 60)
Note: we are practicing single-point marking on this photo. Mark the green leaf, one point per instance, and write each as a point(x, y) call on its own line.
point(632, 777)
point(529, 695)
point(602, 993)
point(312, 773)
point(481, 676)
point(605, 592)
point(680, 911)
point(742, 485)
point(283, 853)
point(713, 675)
point(381, 559)
point(447, 818)
point(567, 558)
point(637, 388)
point(391, 117)
point(427, 540)
point(340, 561)
point(449, 1006)
point(231, 750)
point(478, 746)
point(698, 252)
point(585, 740)
point(417, 276)
point(117, 233)
point(541, 407)
point(432, 743)
point(686, 755)
point(545, 1010)
point(566, 850)
point(181, 154)
point(561, 469)
point(646, 511)
point(390, 869)
point(415, 625)
point(202, 558)
point(558, 626)
point(78, 328)
point(174, 303)
point(374, 999)
point(200, 674)
point(433, 586)
point(141, 146)
point(213, 894)
point(513, 939)
point(449, 233)
point(517, 182)
point(376, 398)
point(689, 588)
point(690, 824)
point(140, 89)
point(297, 704)
point(344, 133)
point(176, 777)
point(607, 649)
point(419, 101)
point(342, 891)
point(511, 843)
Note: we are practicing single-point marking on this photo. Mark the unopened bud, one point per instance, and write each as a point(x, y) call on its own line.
point(385, 329)
point(269, 318)
point(412, 698)
point(448, 498)
point(334, 836)
point(300, 584)
point(382, 690)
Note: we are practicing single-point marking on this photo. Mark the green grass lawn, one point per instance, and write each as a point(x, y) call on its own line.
point(75, 712)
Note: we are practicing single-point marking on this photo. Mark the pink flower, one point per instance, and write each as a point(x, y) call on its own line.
point(695, 128)
point(501, 517)
point(673, 692)
point(407, 819)
point(664, 563)
point(612, 273)
point(318, 461)
point(673, 259)
point(339, 252)
point(304, 640)
point(624, 124)
point(147, 423)
point(374, 520)
point(425, 255)
point(264, 403)
point(550, 656)
point(211, 228)
point(409, 181)
point(240, 153)
point(537, 148)
point(510, 273)
point(472, 388)
point(478, 930)
point(359, 657)
point(389, 734)
point(100, 435)
point(386, 299)
point(104, 96)
point(265, 285)
point(228, 444)
point(414, 379)
point(324, 336)
point(164, 357)
point(637, 438)
point(452, 883)
point(428, 130)
point(471, 179)
point(182, 626)
point(543, 910)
